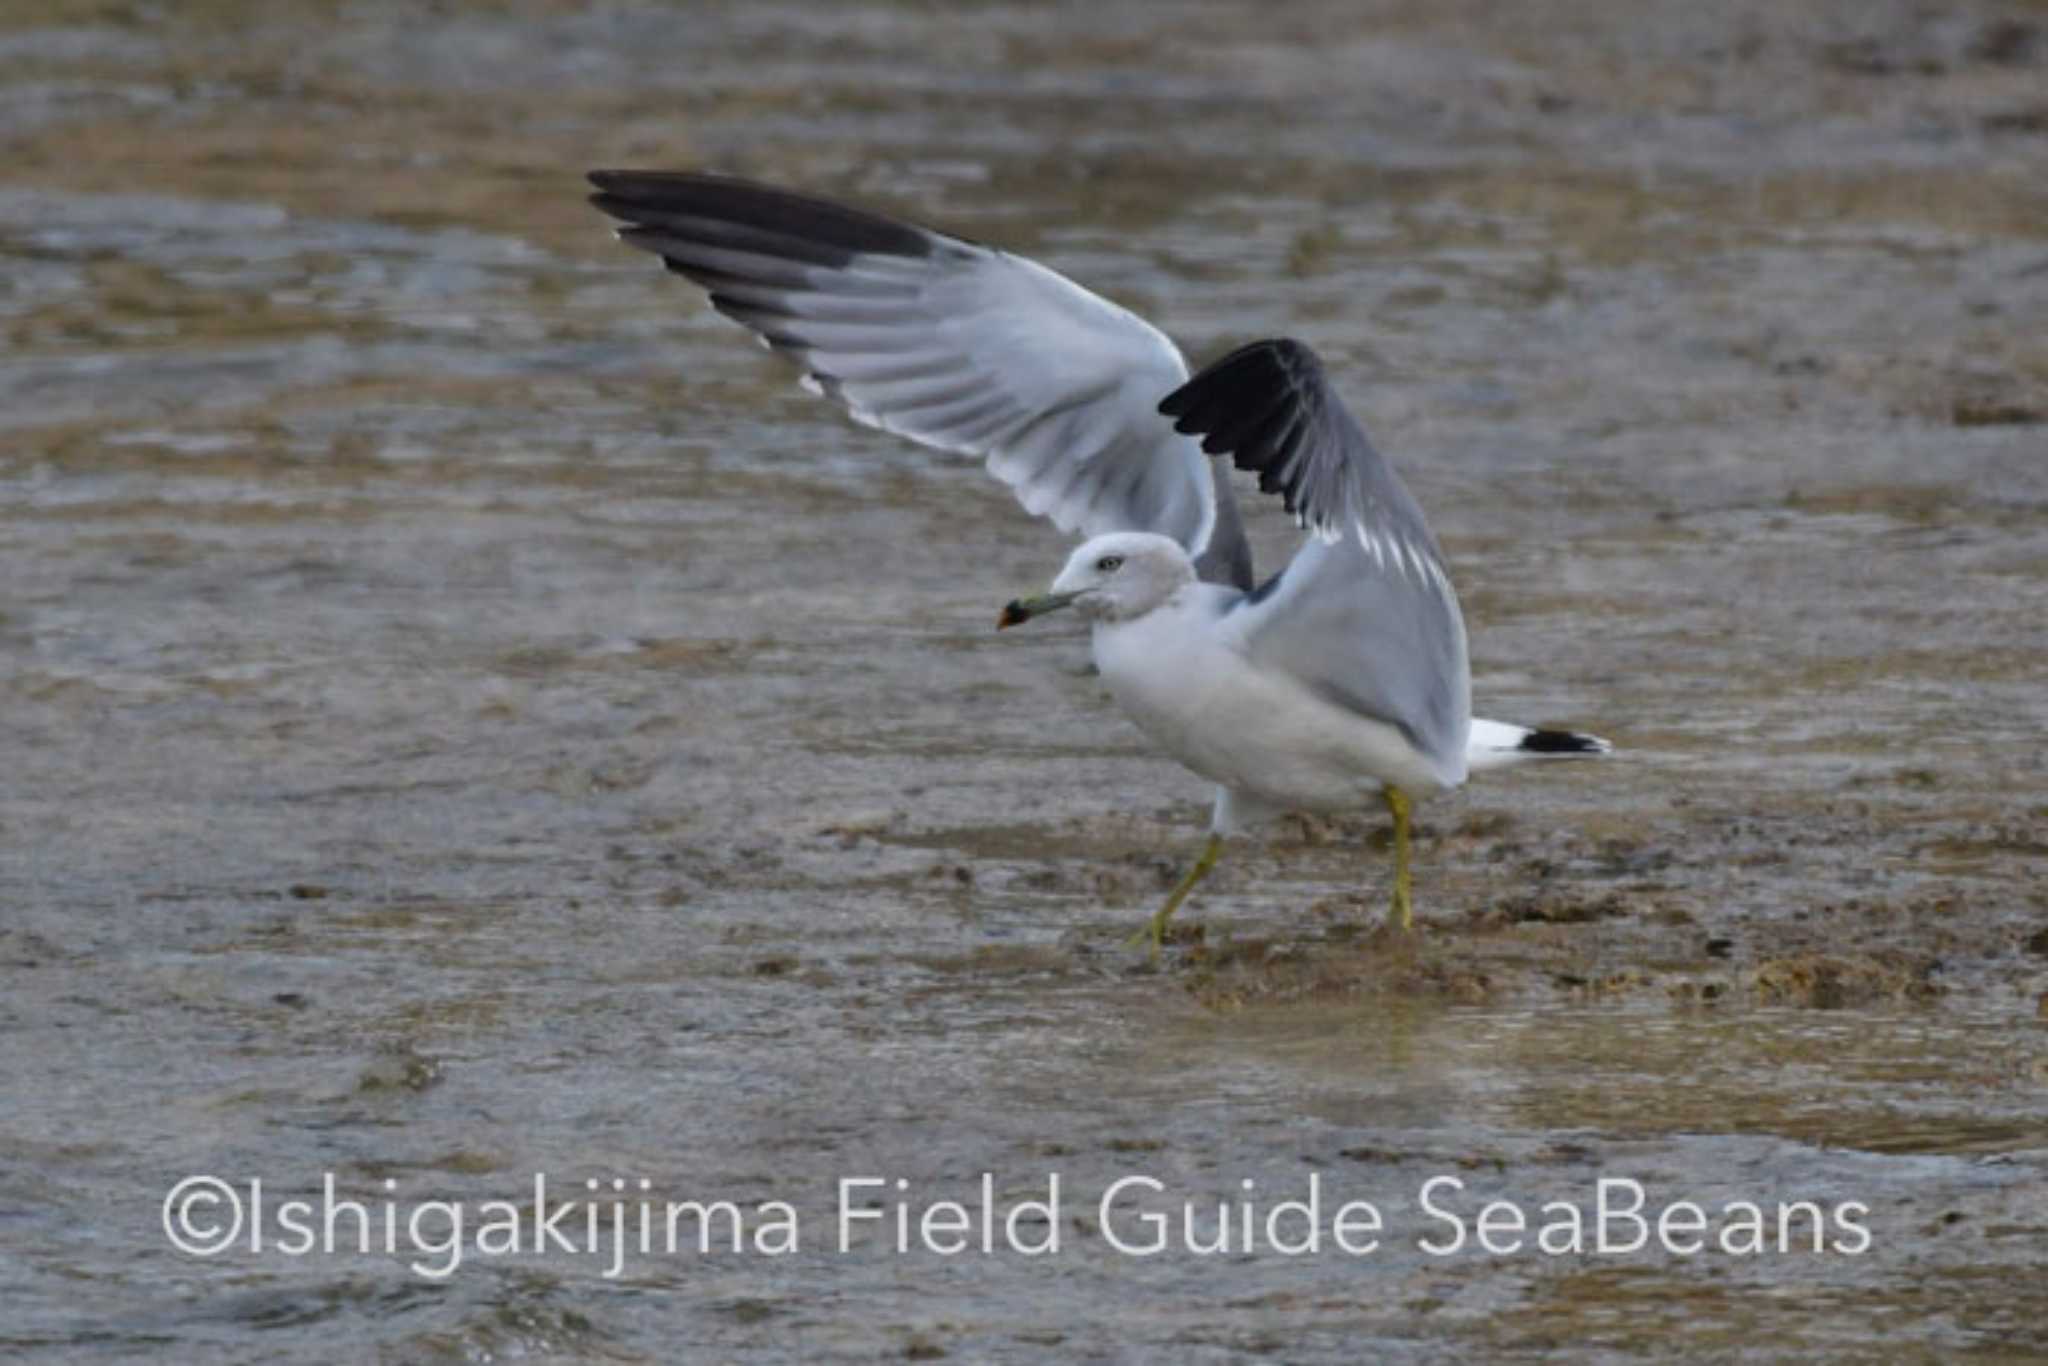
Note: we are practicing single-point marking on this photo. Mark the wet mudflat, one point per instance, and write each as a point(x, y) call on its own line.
point(467, 715)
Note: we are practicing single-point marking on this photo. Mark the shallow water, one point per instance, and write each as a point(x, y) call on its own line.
point(468, 715)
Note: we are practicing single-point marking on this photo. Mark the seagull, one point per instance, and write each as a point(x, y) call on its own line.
point(1338, 680)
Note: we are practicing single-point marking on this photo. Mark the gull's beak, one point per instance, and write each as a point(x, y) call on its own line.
point(1022, 610)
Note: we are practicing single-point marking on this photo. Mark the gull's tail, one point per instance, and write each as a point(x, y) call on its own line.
point(1496, 744)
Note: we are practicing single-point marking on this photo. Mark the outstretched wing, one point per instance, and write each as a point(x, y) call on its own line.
point(1364, 614)
point(947, 342)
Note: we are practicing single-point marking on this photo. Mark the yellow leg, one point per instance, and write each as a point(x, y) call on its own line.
point(1404, 900)
point(1155, 931)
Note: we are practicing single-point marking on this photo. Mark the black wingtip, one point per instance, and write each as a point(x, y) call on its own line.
point(1255, 405)
point(650, 197)
point(1252, 371)
point(1562, 742)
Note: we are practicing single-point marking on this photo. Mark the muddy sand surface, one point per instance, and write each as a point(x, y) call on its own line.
point(468, 715)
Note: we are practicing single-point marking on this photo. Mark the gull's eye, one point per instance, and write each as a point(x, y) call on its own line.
point(1109, 564)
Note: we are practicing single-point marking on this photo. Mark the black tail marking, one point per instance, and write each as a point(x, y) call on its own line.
point(1561, 742)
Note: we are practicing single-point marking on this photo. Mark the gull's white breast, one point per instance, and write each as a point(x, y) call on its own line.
point(1180, 674)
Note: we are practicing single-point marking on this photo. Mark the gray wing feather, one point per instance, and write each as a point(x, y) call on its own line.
point(1364, 614)
point(951, 344)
